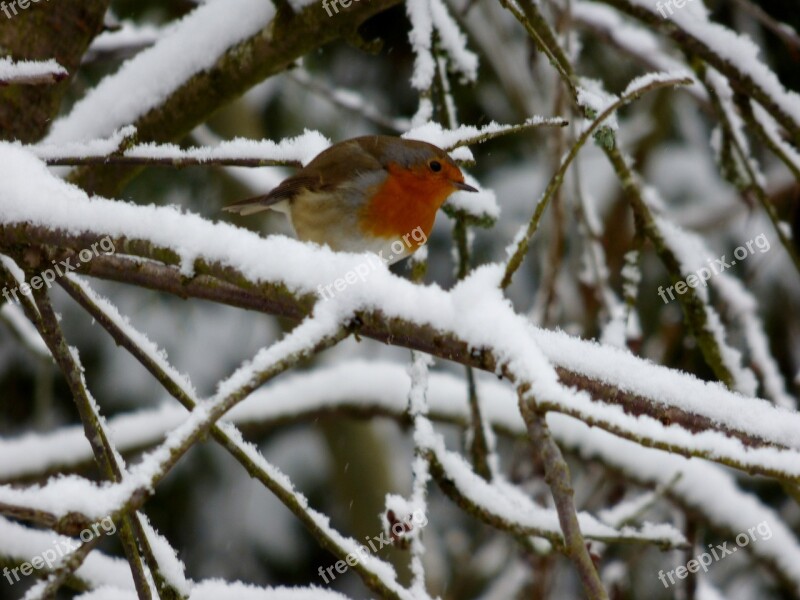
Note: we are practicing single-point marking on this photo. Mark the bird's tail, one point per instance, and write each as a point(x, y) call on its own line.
point(250, 206)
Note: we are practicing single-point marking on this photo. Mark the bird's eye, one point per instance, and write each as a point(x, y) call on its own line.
point(435, 166)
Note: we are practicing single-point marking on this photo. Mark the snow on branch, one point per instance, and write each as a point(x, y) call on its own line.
point(467, 135)
point(110, 463)
point(702, 319)
point(73, 495)
point(508, 508)
point(28, 72)
point(119, 148)
point(348, 99)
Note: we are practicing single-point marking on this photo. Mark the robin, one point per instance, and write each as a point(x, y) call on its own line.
point(366, 194)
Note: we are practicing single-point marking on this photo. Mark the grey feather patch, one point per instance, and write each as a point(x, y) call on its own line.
point(246, 209)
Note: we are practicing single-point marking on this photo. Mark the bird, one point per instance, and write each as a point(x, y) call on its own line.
point(373, 193)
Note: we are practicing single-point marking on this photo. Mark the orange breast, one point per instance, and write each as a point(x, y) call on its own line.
point(404, 202)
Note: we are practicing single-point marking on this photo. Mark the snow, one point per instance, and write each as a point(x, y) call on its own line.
point(89, 148)
point(743, 306)
point(170, 566)
point(350, 99)
point(142, 83)
point(481, 204)
point(591, 95)
point(299, 5)
point(25, 70)
point(627, 509)
point(419, 13)
point(643, 81)
point(449, 139)
point(302, 148)
point(427, 17)
point(418, 408)
point(453, 41)
point(258, 180)
point(772, 131)
point(725, 94)
point(671, 388)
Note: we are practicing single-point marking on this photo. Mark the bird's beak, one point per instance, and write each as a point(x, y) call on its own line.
point(460, 185)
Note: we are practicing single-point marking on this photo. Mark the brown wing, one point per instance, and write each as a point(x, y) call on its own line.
point(343, 162)
point(339, 164)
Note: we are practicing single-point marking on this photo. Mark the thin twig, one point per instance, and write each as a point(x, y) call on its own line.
point(172, 162)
